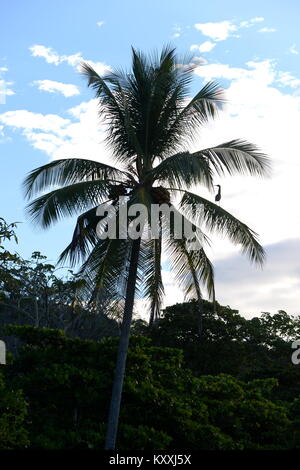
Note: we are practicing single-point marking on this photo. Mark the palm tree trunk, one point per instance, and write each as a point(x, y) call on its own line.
point(36, 309)
point(151, 320)
point(114, 410)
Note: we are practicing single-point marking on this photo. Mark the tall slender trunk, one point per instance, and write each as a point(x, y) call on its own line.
point(151, 320)
point(36, 308)
point(114, 410)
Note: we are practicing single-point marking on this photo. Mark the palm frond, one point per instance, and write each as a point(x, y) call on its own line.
point(106, 269)
point(67, 201)
point(191, 266)
point(218, 220)
point(205, 104)
point(68, 171)
point(237, 156)
point(114, 107)
point(84, 238)
point(197, 112)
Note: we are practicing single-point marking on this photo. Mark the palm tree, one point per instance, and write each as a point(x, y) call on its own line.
point(150, 121)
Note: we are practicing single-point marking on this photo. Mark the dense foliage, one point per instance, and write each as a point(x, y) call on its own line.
point(13, 410)
point(67, 383)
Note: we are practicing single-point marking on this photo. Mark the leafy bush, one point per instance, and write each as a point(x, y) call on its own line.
point(67, 383)
point(13, 410)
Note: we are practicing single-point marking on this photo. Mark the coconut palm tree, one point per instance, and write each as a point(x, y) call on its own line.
point(150, 123)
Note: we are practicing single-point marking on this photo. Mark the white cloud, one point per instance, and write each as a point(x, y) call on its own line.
point(47, 53)
point(219, 31)
point(287, 79)
point(264, 71)
point(216, 31)
point(100, 23)
point(81, 135)
point(206, 46)
point(27, 120)
point(52, 57)
point(211, 71)
point(267, 30)
point(293, 50)
point(251, 22)
point(51, 86)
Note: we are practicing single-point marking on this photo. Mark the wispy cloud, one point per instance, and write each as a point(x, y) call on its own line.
point(206, 46)
point(251, 22)
point(177, 31)
point(267, 30)
point(100, 23)
point(293, 49)
point(51, 86)
point(74, 60)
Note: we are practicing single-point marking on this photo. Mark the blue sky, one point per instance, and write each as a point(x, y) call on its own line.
point(251, 49)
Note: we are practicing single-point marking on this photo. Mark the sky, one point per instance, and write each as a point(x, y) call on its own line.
point(251, 48)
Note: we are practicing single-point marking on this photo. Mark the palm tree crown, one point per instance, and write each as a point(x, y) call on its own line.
point(150, 122)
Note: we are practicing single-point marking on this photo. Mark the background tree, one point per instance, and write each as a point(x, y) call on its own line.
point(32, 293)
point(150, 125)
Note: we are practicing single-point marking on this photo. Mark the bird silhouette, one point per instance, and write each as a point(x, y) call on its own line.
point(218, 195)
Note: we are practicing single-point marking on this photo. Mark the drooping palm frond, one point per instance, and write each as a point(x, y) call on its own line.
point(67, 201)
point(236, 157)
point(84, 238)
point(68, 171)
point(107, 264)
point(106, 269)
point(188, 261)
point(218, 220)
